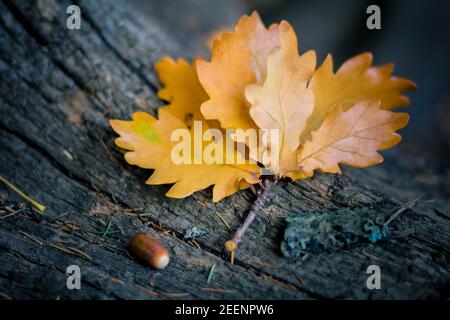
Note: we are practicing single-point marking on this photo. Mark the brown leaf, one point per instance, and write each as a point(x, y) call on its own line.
point(351, 137)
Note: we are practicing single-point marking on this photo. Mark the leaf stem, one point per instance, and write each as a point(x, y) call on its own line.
point(262, 195)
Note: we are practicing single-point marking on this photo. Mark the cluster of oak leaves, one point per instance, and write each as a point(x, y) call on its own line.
point(257, 79)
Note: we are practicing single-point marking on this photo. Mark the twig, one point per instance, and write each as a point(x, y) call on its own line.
point(146, 291)
point(174, 294)
point(60, 248)
point(300, 279)
point(195, 243)
point(81, 253)
point(39, 242)
point(261, 263)
point(403, 208)
point(36, 204)
point(262, 195)
point(137, 214)
point(117, 281)
point(223, 220)
point(59, 216)
point(12, 213)
point(136, 210)
point(106, 148)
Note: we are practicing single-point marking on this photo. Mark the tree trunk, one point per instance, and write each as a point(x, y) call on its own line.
point(58, 89)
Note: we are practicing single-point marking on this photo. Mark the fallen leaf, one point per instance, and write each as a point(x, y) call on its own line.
point(355, 81)
point(151, 145)
point(283, 101)
point(181, 88)
point(238, 59)
point(351, 137)
point(149, 141)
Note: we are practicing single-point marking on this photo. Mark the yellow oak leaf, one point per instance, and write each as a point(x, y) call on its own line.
point(356, 80)
point(181, 88)
point(283, 102)
point(351, 137)
point(152, 147)
point(239, 58)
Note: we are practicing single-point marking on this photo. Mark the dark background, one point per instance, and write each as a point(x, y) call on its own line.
point(414, 35)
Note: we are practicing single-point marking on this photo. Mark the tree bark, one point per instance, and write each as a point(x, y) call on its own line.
point(58, 89)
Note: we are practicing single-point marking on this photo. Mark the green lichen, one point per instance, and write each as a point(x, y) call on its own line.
point(308, 232)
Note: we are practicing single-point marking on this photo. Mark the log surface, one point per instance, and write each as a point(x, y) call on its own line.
point(58, 89)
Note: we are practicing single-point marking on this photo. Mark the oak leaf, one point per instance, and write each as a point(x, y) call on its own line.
point(150, 140)
point(351, 137)
point(239, 58)
point(283, 101)
point(356, 80)
point(181, 89)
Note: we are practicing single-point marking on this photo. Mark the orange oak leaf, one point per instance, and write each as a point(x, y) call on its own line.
point(283, 102)
point(356, 80)
point(351, 137)
point(238, 59)
point(152, 147)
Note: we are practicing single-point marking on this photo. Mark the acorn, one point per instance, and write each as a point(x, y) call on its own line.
point(150, 251)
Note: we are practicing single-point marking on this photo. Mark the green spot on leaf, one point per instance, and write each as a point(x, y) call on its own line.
point(148, 132)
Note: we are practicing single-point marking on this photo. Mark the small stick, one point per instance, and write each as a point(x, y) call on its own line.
point(117, 281)
point(39, 242)
point(36, 204)
point(60, 248)
point(81, 253)
point(146, 291)
point(174, 294)
point(403, 208)
point(223, 220)
point(12, 213)
point(262, 195)
point(195, 243)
